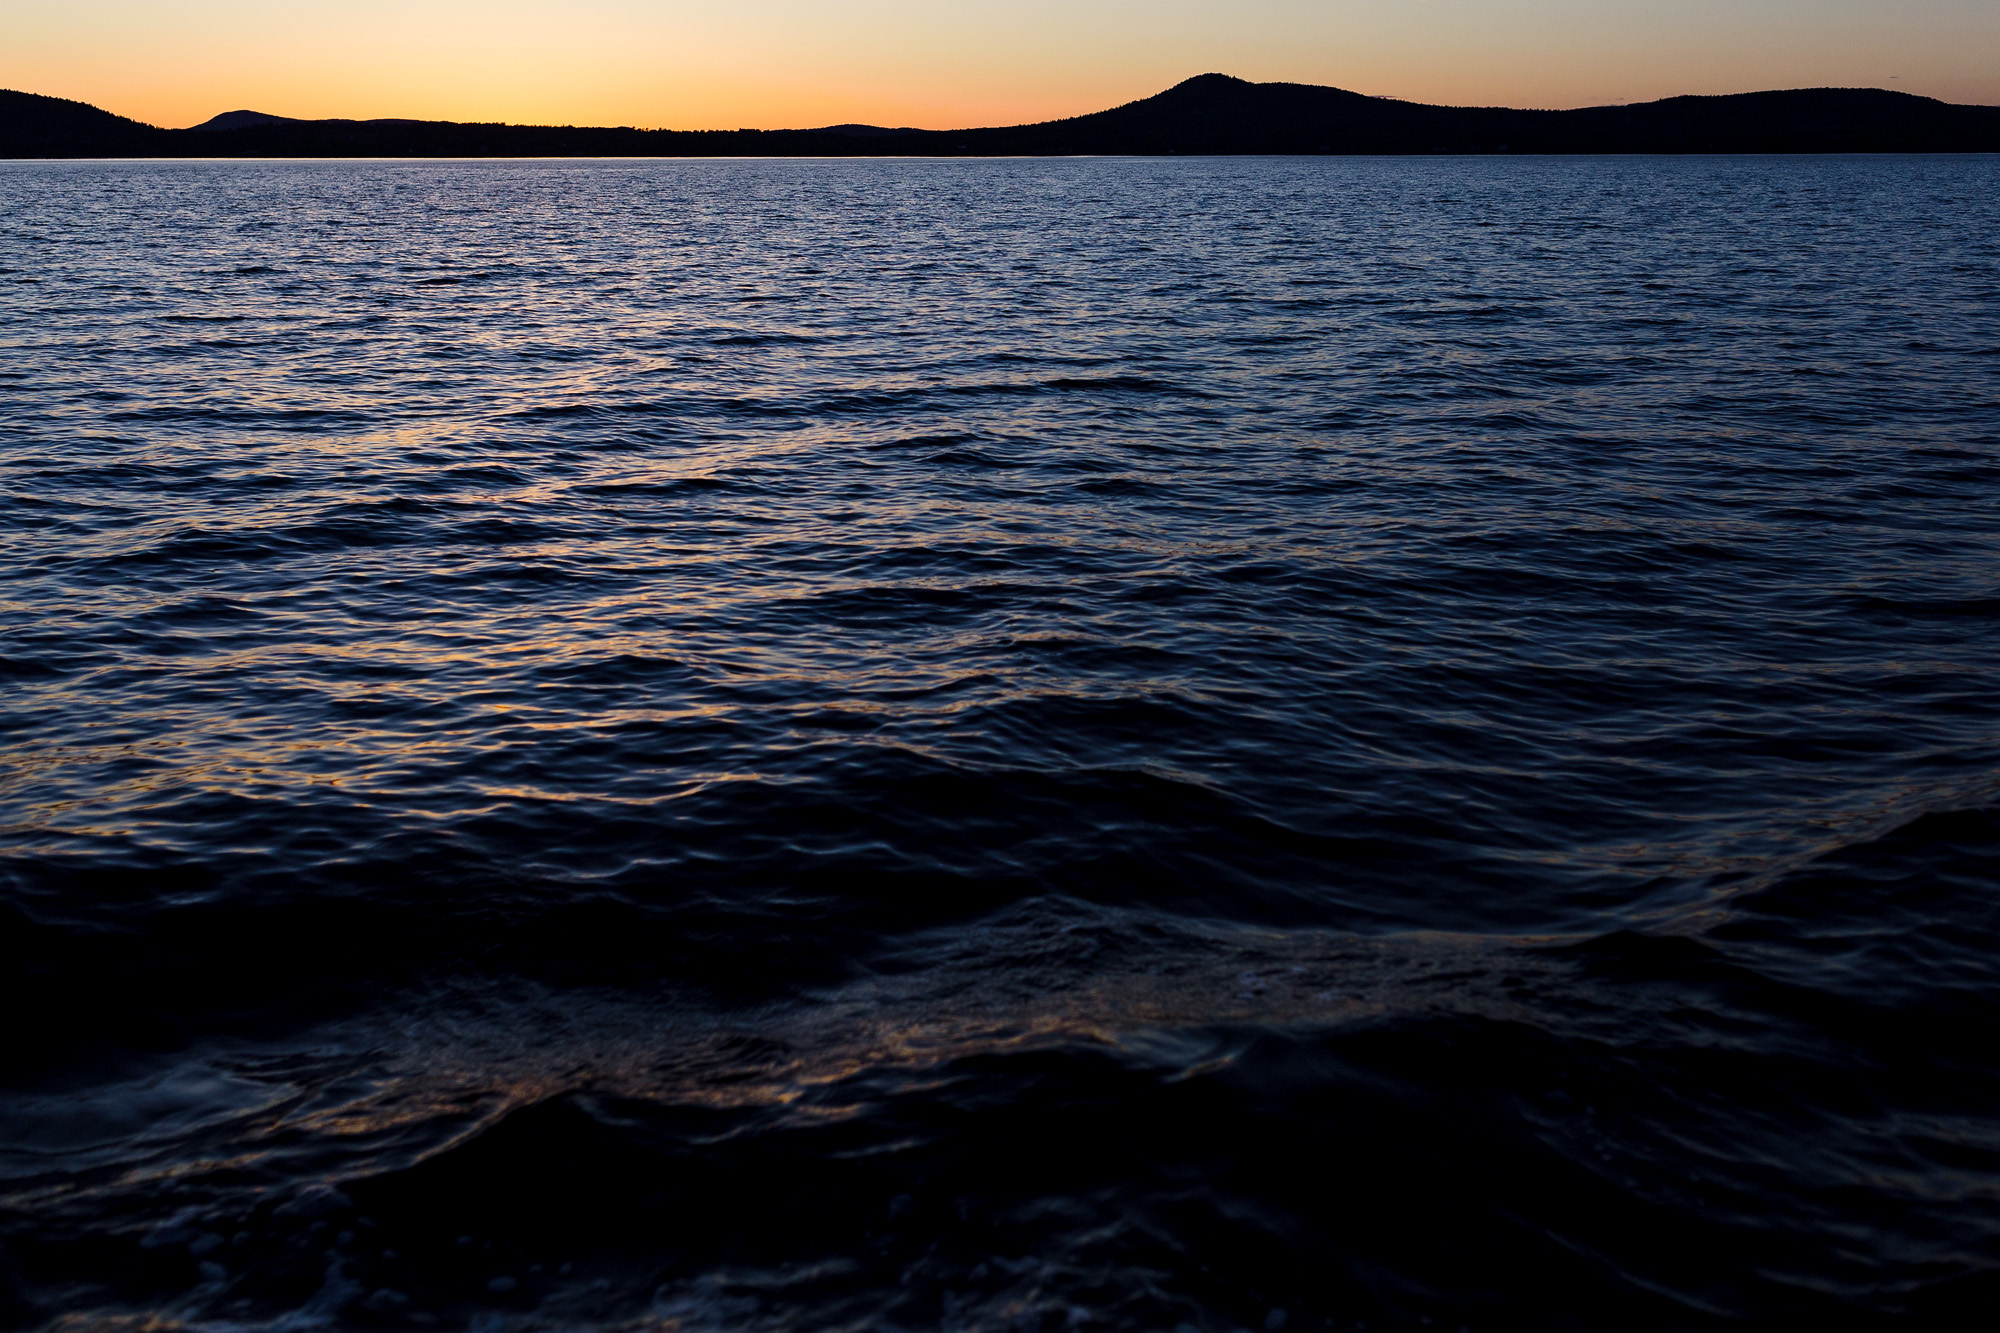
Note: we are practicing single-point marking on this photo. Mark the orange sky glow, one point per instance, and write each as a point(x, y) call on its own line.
point(794, 63)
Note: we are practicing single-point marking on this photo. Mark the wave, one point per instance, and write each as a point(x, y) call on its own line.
point(1298, 760)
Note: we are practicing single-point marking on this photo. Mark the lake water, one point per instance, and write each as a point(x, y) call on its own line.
point(1267, 744)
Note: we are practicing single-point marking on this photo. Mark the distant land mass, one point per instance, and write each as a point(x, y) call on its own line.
point(1210, 114)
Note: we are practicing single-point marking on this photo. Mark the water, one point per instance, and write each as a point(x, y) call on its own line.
point(1269, 744)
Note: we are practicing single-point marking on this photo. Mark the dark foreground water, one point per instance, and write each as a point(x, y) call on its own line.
point(1001, 745)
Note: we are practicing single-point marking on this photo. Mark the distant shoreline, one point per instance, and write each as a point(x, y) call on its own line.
point(1210, 115)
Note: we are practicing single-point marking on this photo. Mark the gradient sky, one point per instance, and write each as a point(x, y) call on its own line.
point(693, 64)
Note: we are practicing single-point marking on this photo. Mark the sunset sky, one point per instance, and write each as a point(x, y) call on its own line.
point(779, 63)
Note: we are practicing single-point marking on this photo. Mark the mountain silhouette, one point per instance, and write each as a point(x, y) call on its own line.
point(862, 131)
point(236, 120)
point(1209, 114)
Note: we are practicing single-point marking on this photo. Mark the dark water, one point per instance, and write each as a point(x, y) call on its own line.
point(1001, 745)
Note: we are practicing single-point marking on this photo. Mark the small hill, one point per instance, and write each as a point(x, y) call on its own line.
point(861, 131)
point(236, 120)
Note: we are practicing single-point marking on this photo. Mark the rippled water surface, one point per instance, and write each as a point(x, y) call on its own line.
point(1267, 744)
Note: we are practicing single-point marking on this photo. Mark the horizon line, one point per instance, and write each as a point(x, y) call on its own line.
point(915, 129)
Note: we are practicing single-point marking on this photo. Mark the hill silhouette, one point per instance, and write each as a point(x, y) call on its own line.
point(1209, 114)
point(236, 120)
point(36, 126)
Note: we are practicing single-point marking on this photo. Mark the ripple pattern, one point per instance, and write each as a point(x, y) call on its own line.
point(1230, 743)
